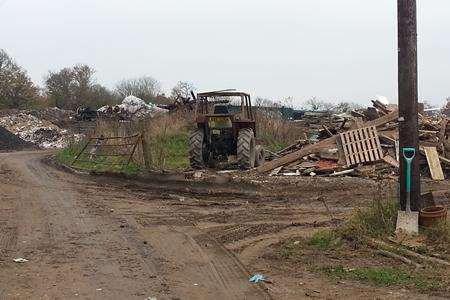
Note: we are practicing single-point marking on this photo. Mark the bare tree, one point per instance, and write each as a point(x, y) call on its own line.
point(315, 104)
point(73, 87)
point(16, 88)
point(344, 106)
point(147, 88)
point(182, 90)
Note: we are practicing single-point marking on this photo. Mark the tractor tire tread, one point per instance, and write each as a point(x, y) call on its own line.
point(196, 149)
point(245, 157)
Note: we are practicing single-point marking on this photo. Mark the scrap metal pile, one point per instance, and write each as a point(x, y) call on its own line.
point(361, 143)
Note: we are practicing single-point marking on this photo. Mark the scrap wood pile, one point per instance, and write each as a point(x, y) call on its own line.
point(317, 124)
point(362, 143)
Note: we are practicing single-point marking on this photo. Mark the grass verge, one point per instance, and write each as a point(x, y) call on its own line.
point(382, 276)
point(169, 151)
point(342, 253)
point(67, 155)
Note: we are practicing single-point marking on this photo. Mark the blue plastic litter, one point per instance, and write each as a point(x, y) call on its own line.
point(257, 278)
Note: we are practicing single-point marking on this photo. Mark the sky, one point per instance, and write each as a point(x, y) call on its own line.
point(334, 50)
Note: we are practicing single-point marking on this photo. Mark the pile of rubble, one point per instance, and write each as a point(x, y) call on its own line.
point(131, 107)
point(361, 143)
point(10, 141)
point(43, 133)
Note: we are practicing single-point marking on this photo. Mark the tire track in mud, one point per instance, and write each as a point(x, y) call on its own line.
point(84, 238)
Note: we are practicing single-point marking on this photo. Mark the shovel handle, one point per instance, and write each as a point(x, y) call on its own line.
point(408, 155)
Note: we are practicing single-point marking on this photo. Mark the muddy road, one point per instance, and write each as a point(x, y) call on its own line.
point(91, 237)
point(78, 246)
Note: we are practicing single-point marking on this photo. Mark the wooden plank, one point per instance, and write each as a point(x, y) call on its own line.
point(360, 155)
point(441, 158)
point(291, 157)
point(380, 106)
point(364, 149)
point(373, 141)
point(362, 137)
point(444, 122)
point(341, 152)
point(392, 161)
point(444, 160)
point(314, 148)
point(383, 120)
point(344, 147)
point(384, 136)
point(275, 171)
point(351, 146)
point(378, 145)
point(433, 163)
point(359, 123)
point(327, 130)
point(368, 144)
point(441, 135)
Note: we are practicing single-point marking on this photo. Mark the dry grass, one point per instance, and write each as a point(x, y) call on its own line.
point(164, 136)
point(166, 140)
point(275, 132)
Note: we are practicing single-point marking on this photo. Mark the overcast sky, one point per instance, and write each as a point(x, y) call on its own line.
point(332, 49)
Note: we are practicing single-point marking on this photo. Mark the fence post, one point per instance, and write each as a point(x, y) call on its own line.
point(146, 152)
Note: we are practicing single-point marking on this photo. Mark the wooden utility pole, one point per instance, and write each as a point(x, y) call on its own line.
point(407, 97)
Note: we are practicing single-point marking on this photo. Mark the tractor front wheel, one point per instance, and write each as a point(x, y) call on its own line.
point(246, 149)
point(198, 155)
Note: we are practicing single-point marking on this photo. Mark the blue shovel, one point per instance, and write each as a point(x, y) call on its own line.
point(408, 221)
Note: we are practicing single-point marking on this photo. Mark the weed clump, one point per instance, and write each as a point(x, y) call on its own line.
point(325, 240)
point(377, 220)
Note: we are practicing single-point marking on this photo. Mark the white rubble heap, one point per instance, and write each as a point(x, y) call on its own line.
point(40, 132)
point(135, 107)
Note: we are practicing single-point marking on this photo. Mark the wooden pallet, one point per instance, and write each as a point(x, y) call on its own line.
point(361, 145)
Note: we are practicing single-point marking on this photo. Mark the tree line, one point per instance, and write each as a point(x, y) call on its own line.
point(73, 87)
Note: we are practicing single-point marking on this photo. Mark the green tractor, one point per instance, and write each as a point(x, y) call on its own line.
point(225, 127)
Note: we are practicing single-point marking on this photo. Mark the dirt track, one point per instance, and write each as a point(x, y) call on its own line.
point(101, 238)
point(76, 246)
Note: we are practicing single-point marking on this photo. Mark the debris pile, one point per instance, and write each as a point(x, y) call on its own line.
point(362, 143)
point(9, 141)
point(40, 132)
point(131, 107)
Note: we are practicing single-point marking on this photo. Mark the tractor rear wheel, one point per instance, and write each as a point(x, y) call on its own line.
point(198, 155)
point(246, 149)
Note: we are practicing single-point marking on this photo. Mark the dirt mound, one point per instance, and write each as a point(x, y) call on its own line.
point(10, 141)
